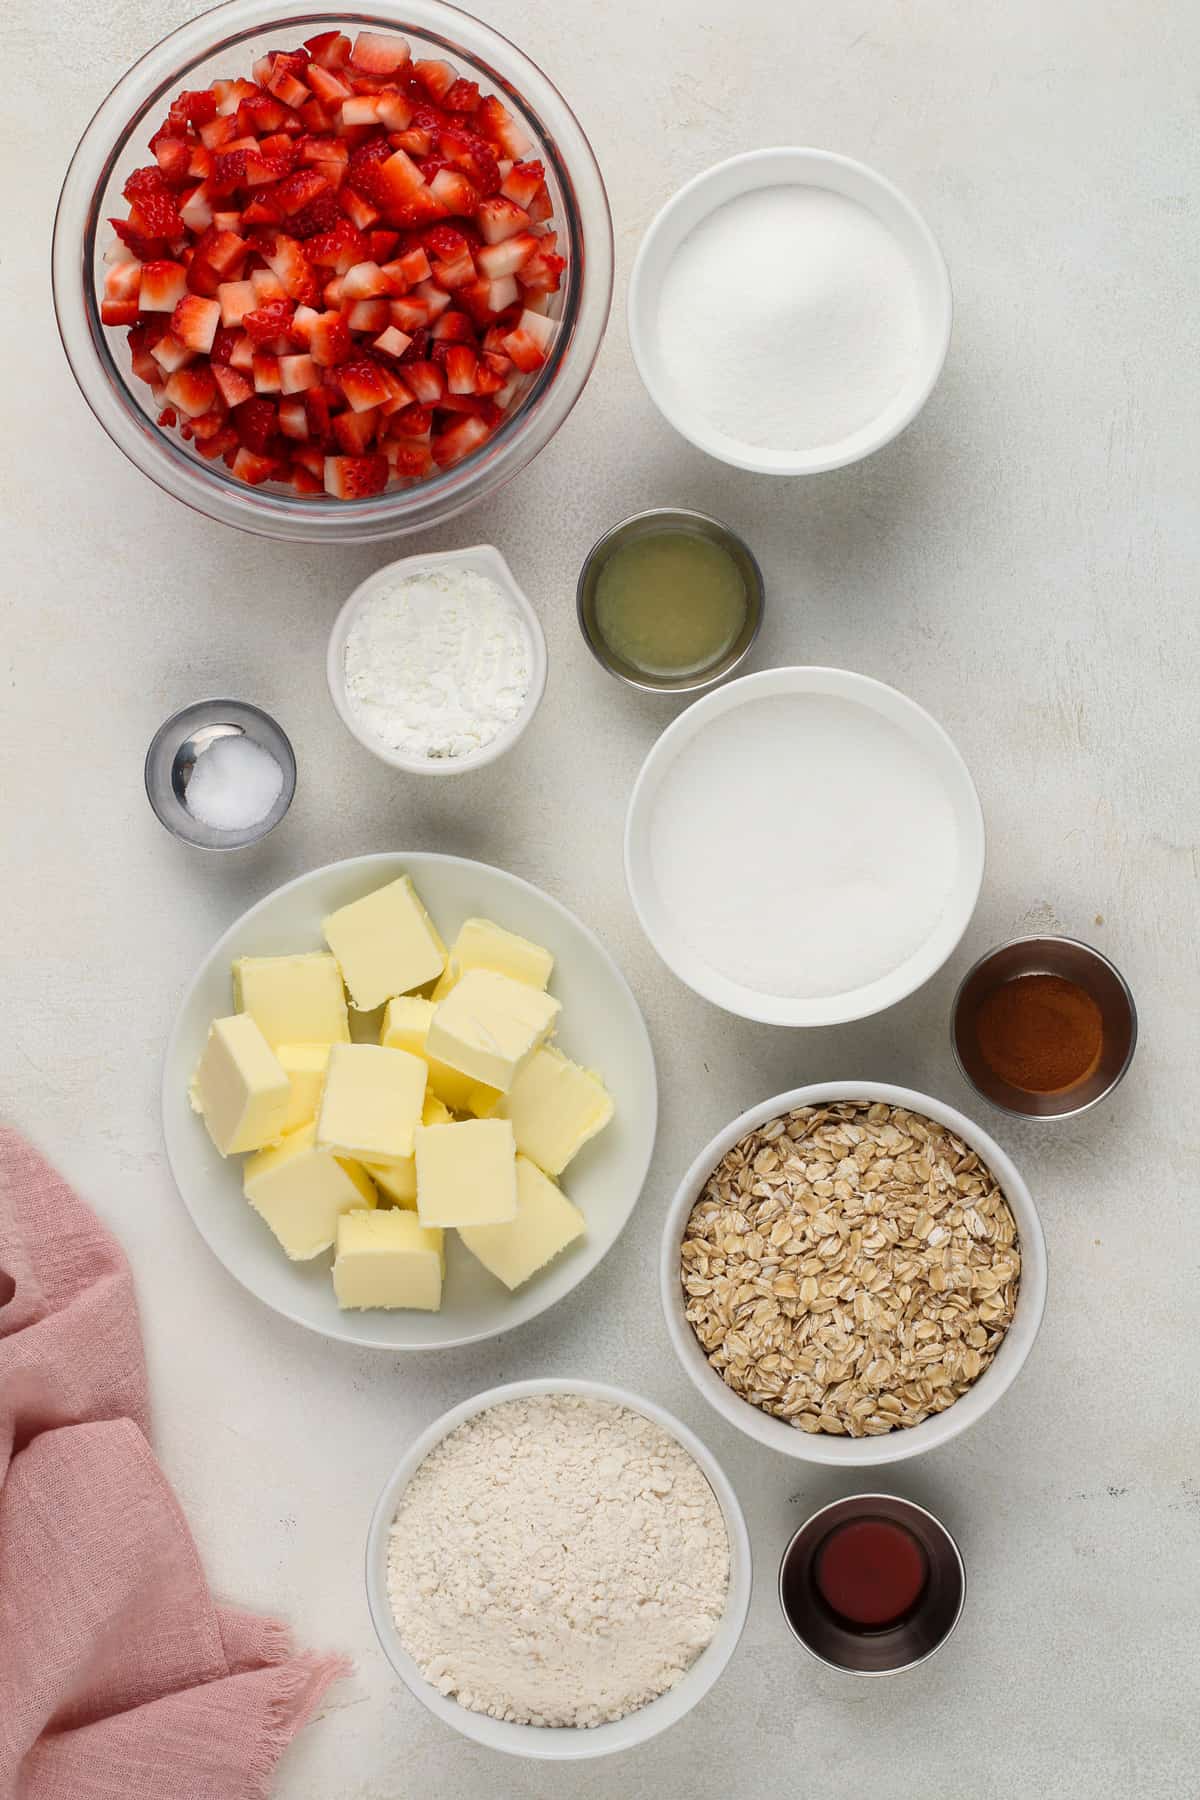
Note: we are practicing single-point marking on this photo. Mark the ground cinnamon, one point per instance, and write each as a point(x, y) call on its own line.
point(1041, 1033)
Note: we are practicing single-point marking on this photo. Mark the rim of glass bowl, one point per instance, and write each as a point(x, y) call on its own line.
point(209, 488)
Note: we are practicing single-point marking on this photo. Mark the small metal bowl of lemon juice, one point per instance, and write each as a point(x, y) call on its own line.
point(670, 601)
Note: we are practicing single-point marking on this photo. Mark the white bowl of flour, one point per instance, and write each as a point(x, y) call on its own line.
point(804, 846)
point(789, 311)
point(574, 1548)
point(437, 663)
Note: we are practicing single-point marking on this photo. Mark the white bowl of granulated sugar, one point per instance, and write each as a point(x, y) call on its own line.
point(789, 311)
point(561, 1551)
point(437, 663)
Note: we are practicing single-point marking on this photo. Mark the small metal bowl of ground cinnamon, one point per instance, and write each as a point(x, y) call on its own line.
point(1044, 1027)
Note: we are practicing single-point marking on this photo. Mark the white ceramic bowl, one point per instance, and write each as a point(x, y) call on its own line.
point(484, 559)
point(665, 930)
point(549, 1744)
point(601, 1027)
point(777, 168)
point(897, 1446)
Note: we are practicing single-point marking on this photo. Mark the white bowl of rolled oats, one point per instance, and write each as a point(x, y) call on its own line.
point(853, 1273)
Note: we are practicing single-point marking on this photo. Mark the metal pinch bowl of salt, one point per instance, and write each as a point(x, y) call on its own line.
point(178, 746)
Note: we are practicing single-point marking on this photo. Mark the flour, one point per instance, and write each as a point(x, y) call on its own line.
point(557, 1561)
point(789, 318)
point(438, 663)
point(803, 845)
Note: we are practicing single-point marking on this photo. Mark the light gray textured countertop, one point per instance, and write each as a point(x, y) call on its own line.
point(1022, 562)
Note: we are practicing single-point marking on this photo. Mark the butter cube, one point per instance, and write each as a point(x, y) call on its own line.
point(388, 1259)
point(397, 1182)
point(239, 1087)
point(482, 945)
point(466, 1173)
point(546, 1223)
point(301, 1191)
point(386, 944)
point(305, 1066)
point(554, 1107)
point(293, 999)
point(406, 1027)
point(488, 1024)
point(371, 1102)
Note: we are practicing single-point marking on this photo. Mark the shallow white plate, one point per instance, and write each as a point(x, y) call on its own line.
point(553, 1743)
point(668, 932)
point(601, 1027)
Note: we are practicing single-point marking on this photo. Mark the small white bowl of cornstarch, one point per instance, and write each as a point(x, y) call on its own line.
point(437, 663)
point(558, 1569)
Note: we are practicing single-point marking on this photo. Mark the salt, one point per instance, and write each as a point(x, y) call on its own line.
point(803, 846)
point(789, 318)
point(234, 784)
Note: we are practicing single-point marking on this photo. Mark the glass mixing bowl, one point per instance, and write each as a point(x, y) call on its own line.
point(226, 42)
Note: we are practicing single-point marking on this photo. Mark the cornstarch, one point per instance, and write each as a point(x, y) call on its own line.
point(789, 318)
point(438, 663)
point(557, 1561)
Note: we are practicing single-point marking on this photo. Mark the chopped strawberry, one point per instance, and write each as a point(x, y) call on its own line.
point(118, 312)
point(158, 215)
point(297, 374)
point(377, 54)
point(437, 78)
point(330, 342)
point(467, 151)
point(498, 125)
point(232, 387)
point(163, 286)
point(367, 315)
point(393, 341)
point(508, 257)
point(192, 391)
point(329, 49)
point(455, 192)
point(236, 298)
point(270, 321)
point(363, 385)
point(253, 469)
point(460, 369)
point(288, 262)
point(450, 446)
point(354, 432)
point(270, 199)
point(500, 218)
point(255, 422)
point(328, 85)
point(355, 477)
point(426, 381)
point(364, 281)
point(194, 322)
point(267, 378)
point(522, 182)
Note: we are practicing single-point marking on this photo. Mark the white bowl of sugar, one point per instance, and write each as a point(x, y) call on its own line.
point(804, 846)
point(789, 311)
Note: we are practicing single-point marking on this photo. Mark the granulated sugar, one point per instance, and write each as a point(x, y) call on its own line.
point(803, 846)
point(789, 318)
point(557, 1560)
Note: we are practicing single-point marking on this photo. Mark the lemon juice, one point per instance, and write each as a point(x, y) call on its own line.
point(670, 603)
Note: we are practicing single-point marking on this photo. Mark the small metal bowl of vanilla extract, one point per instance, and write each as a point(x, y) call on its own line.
point(670, 601)
point(1044, 1027)
point(872, 1585)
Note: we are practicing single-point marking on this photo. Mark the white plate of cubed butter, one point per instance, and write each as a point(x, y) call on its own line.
point(409, 1101)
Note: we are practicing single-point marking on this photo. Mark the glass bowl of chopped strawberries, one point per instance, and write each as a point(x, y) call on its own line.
point(332, 284)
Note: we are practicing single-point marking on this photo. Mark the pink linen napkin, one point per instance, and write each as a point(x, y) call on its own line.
point(119, 1677)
